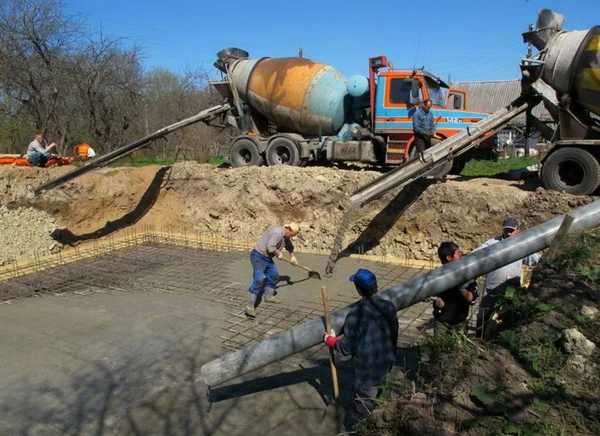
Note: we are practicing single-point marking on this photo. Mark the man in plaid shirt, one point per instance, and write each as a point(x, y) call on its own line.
point(370, 334)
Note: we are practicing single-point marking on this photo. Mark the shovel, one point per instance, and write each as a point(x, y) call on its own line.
point(333, 419)
point(311, 274)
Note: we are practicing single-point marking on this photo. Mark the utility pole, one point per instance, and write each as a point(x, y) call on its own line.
point(529, 46)
point(528, 113)
point(300, 52)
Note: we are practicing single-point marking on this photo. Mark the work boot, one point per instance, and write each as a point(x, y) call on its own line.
point(272, 300)
point(250, 312)
point(422, 158)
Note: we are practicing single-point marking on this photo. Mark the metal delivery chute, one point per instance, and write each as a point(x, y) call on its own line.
point(205, 116)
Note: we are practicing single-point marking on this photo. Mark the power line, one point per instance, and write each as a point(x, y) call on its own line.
point(473, 67)
point(167, 31)
point(512, 64)
point(472, 53)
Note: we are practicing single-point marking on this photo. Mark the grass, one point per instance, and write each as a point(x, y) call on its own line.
point(516, 302)
point(217, 160)
point(543, 359)
point(446, 349)
point(142, 161)
point(581, 257)
point(485, 168)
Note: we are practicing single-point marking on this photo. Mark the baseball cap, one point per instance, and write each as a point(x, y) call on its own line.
point(293, 227)
point(364, 279)
point(510, 223)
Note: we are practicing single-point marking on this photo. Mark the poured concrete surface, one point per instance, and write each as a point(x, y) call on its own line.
point(123, 356)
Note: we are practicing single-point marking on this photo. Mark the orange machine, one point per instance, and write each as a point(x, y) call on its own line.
point(83, 151)
point(21, 161)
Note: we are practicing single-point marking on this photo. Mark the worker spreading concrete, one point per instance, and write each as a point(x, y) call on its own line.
point(264, 271)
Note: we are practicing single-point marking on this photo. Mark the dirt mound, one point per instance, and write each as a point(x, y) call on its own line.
point(534, 378)
point(242, 203)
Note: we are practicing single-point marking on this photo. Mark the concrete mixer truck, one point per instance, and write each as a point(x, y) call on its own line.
point(565, 75)
point(295, 110)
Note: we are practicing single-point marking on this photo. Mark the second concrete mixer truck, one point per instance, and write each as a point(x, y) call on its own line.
point(295, 110)
point(565, 76)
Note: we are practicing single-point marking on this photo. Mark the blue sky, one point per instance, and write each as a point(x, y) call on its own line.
point(464, 40)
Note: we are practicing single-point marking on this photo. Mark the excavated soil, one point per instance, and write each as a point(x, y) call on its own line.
point(524, 382)
point(242, 203)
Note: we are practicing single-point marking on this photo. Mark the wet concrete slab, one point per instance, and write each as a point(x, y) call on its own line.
point(118, 351)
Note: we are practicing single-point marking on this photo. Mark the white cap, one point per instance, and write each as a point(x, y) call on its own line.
point(294, 227)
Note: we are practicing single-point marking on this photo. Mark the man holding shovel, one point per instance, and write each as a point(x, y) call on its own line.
point(264, 272)
point(370, 334)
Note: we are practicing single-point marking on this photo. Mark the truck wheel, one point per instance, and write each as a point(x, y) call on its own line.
point(244, 153)
point(443, 169)
point(282, 151)
point(572, 170)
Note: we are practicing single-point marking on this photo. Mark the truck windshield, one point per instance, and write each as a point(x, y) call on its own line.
point(437, 94)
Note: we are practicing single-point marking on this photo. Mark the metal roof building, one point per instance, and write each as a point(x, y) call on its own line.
point(494, 95)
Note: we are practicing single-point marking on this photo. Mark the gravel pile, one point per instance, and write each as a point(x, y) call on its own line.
point(25, 232)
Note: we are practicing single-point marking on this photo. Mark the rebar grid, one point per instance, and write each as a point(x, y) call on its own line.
point(168, 262)
point(414, 322)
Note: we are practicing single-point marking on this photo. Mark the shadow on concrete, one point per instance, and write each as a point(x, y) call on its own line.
point(160, 395)
point(318, 376)
point(383, 222)
point(287, 281)
point(65, 236)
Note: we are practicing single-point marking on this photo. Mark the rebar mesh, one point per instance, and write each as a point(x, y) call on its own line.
point(164, 262)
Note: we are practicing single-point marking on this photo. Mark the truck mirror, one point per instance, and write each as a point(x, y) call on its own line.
point(415, 88)
point(458, 101)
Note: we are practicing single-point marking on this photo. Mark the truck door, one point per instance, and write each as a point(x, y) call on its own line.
point(400, 99)
point(402, 96)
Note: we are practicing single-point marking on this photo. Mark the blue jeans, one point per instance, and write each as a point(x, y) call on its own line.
point(365, 398)
point(37, 159)
point(264, 272)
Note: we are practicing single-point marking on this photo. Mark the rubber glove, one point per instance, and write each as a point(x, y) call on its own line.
point(330, 339)
point(293, 260)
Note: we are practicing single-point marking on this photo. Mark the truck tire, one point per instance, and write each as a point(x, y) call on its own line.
point(572, 170)
point(244, 153)
point(282, 151)
point(443, 169)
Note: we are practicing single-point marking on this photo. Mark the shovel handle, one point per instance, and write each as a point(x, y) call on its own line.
point(336, 388)
point(297, 264)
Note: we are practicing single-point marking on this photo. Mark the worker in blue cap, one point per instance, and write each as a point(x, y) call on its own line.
point(370, 335)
